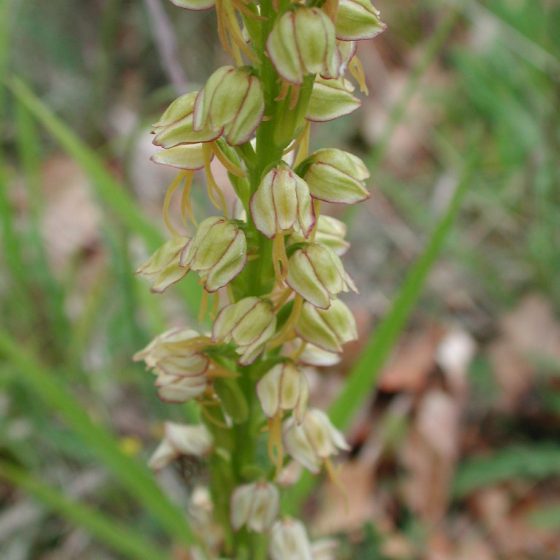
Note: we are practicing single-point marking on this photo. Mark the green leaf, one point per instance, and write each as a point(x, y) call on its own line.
point(546, 517)
point(132, 475)
point(361, 382)
point(113, 534)
point(530, 462)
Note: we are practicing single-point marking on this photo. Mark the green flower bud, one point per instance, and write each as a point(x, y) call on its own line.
point(255, 505)
point(249, 323)
point(231, 101)
point(327, 328)
point(314, 356)
point(357, 19)
point(188, 157)
point(176, 125)
point(162, 268)
point(314, 441)
point(284, 387)
point(194, 4)
point(316, 273)
point(303, 42)
point(332, 233)
point(181, 440)
point(329, 232)
point(218, 252)
point(282, 204)
point(174, 353)
point(288, 540)
point(336, 176)
point(331, 99)
point(180, 366)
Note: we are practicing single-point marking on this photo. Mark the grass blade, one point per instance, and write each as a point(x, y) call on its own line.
point(114, 535)
point(109, 190)
point(359, 386)
point(517, 41)
point(28, 144)
point(398, 111)
point(533, 462)
point(366, 370)
point(132, 475)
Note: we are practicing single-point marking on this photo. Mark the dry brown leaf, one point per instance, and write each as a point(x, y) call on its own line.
point(512, 372)
point(347, 511)
point(533, 328)
point(412, 362)
point(71, 219)
point(530, 331)
point(397, 547)
point(510, 528)
point(429, 454)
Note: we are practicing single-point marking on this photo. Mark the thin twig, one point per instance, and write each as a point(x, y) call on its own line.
point(166, 44)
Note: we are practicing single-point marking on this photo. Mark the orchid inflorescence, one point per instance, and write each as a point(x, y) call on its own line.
point(270, 261)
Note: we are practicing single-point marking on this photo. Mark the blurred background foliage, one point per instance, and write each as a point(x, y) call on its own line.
point(457, 454)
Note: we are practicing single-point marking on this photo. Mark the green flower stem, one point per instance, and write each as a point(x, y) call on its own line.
point(266, 93)
point(273, 136)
